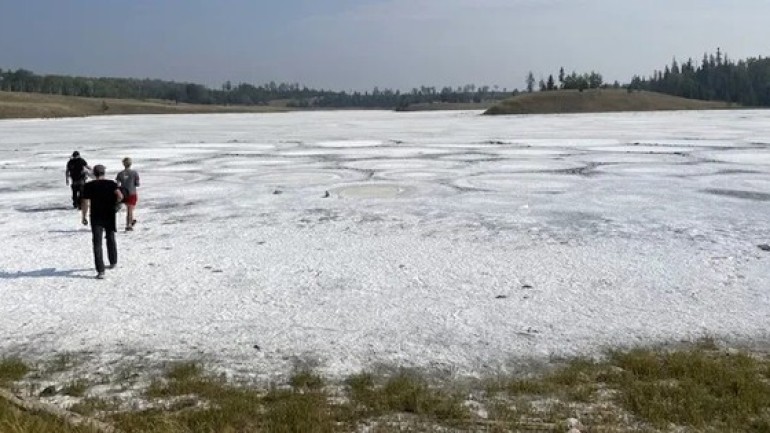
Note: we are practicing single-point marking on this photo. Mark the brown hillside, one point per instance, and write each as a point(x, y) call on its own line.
point(29, 105)
point(597, 101)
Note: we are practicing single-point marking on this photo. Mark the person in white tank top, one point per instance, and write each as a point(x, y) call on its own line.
point(128, 180)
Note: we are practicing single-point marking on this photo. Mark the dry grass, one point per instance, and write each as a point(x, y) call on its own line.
point(13, 420)
point(36, 105)
point(702, 388)
point(75, 388)
point(597, 101)
point(11, 370)
point(196, 401)
point(405, 392)
point(699, 388)
point(728, 391)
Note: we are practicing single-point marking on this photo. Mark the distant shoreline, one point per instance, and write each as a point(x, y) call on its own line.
point(19, 105)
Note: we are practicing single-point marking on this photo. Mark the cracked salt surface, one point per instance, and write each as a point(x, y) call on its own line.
point(447, 240)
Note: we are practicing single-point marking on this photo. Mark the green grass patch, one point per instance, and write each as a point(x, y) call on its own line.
point(576, 381)
point(90, 406)
point(696, 387)
point(184, 371)
point(11, 370)
point(306, 379)
point(292, 411)
point(405, 392)
point(212, 404)
point(196, 404)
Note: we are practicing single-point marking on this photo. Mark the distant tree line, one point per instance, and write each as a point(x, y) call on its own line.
point(388, 98)
point(573, 81)
point(717, 78)
point(746, 82)
point(22, 80)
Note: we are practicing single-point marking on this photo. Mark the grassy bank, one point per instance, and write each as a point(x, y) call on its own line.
point(597, 101)
point(699, 388)
point(439, 106)
point(35, 105)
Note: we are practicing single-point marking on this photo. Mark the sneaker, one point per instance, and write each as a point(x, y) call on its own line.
point(133, 223)
point(112, 266)
point(100, 276)
point(129, 228)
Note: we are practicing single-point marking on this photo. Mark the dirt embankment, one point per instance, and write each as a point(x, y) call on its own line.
point(35, 105)
point(598, 101)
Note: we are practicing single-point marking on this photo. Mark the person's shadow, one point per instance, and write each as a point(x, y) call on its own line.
point(45, 273)
point(70, 231)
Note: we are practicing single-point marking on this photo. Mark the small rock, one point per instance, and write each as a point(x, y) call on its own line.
point(574, 425)
point(256, 346)
point(501, 296)
point(764, 247)
point(526, 286)
point(277, 191)
point(48, 391)
point(326, 194)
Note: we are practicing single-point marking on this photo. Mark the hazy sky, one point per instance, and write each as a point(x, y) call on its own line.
point(358, 44)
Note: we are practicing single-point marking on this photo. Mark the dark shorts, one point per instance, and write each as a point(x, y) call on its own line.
point(132, 199)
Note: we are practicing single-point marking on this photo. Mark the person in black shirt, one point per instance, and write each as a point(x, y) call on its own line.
point(101, 196)
point(76, 170)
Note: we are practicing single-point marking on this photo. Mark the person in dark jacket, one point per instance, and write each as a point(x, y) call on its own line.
point(101, 196)
point(76, 171)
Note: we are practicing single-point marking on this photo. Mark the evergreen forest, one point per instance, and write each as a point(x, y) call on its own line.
point(715, 78)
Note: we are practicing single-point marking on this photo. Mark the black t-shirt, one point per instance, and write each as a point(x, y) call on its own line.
point(76, 168)
point(101, 192)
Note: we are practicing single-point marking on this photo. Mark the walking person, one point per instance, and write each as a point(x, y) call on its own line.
point(101, 196)
point(128, 180)
point(76, 171)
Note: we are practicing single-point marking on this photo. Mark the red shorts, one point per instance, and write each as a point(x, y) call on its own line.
point(131, 199)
